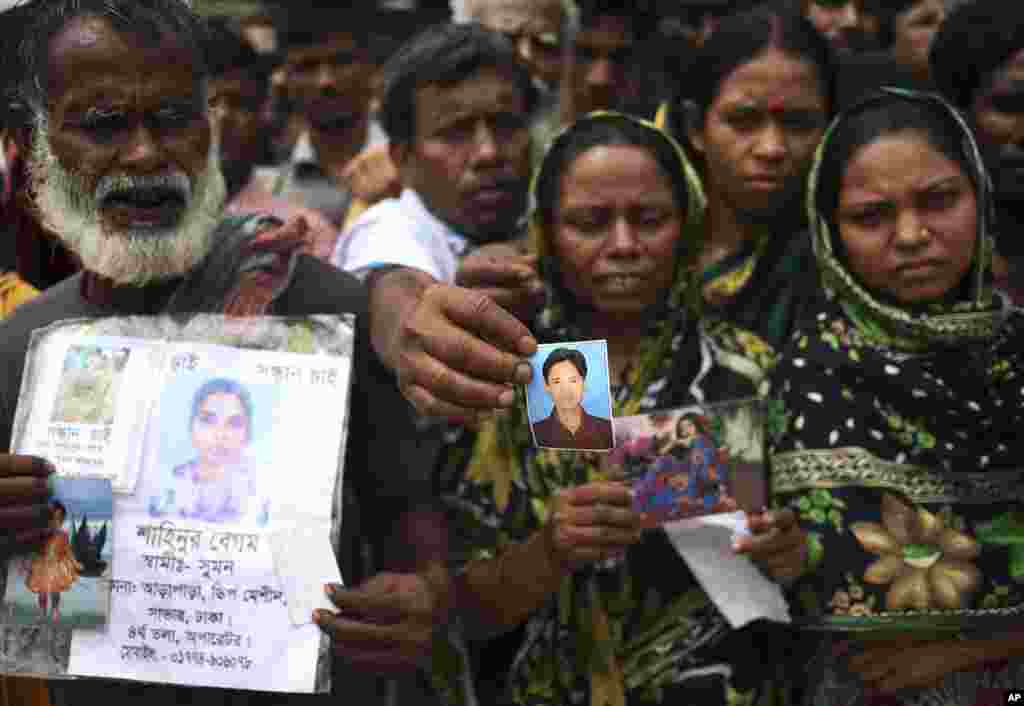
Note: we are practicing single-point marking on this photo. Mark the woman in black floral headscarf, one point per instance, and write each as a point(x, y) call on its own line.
point(904, 403)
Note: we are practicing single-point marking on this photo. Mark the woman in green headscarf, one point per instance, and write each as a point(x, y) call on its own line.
point(548, 553)
point(904, 403)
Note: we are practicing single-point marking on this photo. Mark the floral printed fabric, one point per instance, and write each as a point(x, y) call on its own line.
point(903, 469)
point(900, 452)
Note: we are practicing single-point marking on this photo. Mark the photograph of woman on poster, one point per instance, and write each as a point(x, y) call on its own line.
point(219, 484)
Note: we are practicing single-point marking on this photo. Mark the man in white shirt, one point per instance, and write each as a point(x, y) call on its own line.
point(456, 106)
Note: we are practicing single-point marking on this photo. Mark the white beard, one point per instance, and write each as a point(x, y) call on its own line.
point(127, 257)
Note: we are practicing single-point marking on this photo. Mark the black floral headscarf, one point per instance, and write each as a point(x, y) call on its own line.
point(976, 315)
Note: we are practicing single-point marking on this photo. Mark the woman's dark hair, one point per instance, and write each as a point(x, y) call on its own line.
point(223, 386)
point(886, 12)
point(57, 505)
point(875, 117)
point(603, 131)
point(561, 355)
point(697, 420)
point(975, 40)
point(741, 37)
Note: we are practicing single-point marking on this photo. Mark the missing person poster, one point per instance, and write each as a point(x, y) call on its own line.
point(195, 597)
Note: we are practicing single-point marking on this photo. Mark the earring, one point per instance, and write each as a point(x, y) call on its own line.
point(925, 233)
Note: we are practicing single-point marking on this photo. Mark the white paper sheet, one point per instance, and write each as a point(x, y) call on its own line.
point(195, 597)
point(305, 563)
point(733, 582)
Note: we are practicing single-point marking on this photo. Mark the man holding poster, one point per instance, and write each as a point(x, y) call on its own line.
point(109, 95)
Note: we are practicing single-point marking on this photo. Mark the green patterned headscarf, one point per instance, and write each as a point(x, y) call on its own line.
point(975, 315)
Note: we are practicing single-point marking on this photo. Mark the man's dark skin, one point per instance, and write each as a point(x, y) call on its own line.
point(455, 352)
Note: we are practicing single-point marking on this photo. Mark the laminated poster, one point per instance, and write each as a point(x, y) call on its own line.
point(203, 430)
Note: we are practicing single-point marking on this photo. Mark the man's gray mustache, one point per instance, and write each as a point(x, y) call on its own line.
point(113, 184)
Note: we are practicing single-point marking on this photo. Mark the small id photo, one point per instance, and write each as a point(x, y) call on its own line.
point(569, 401)
point(692, 462)
point(89, 384)
point(67, 580)
point(214, 443)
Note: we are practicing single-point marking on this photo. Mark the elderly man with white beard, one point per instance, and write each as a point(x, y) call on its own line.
point(124, 170)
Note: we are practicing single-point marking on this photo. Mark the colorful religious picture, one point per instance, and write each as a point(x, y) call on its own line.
point(211, 429)
point(693, 461)
point(67, 580)
point(569, 399)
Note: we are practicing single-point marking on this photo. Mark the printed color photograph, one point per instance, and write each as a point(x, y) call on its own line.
point(694, 461)
point(67, 581)
point(569, 399)
point(208, 467)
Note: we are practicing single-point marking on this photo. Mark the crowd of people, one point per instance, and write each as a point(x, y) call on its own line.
point(811, 201)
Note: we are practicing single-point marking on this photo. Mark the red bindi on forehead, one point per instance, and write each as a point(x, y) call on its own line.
point(776, 104)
